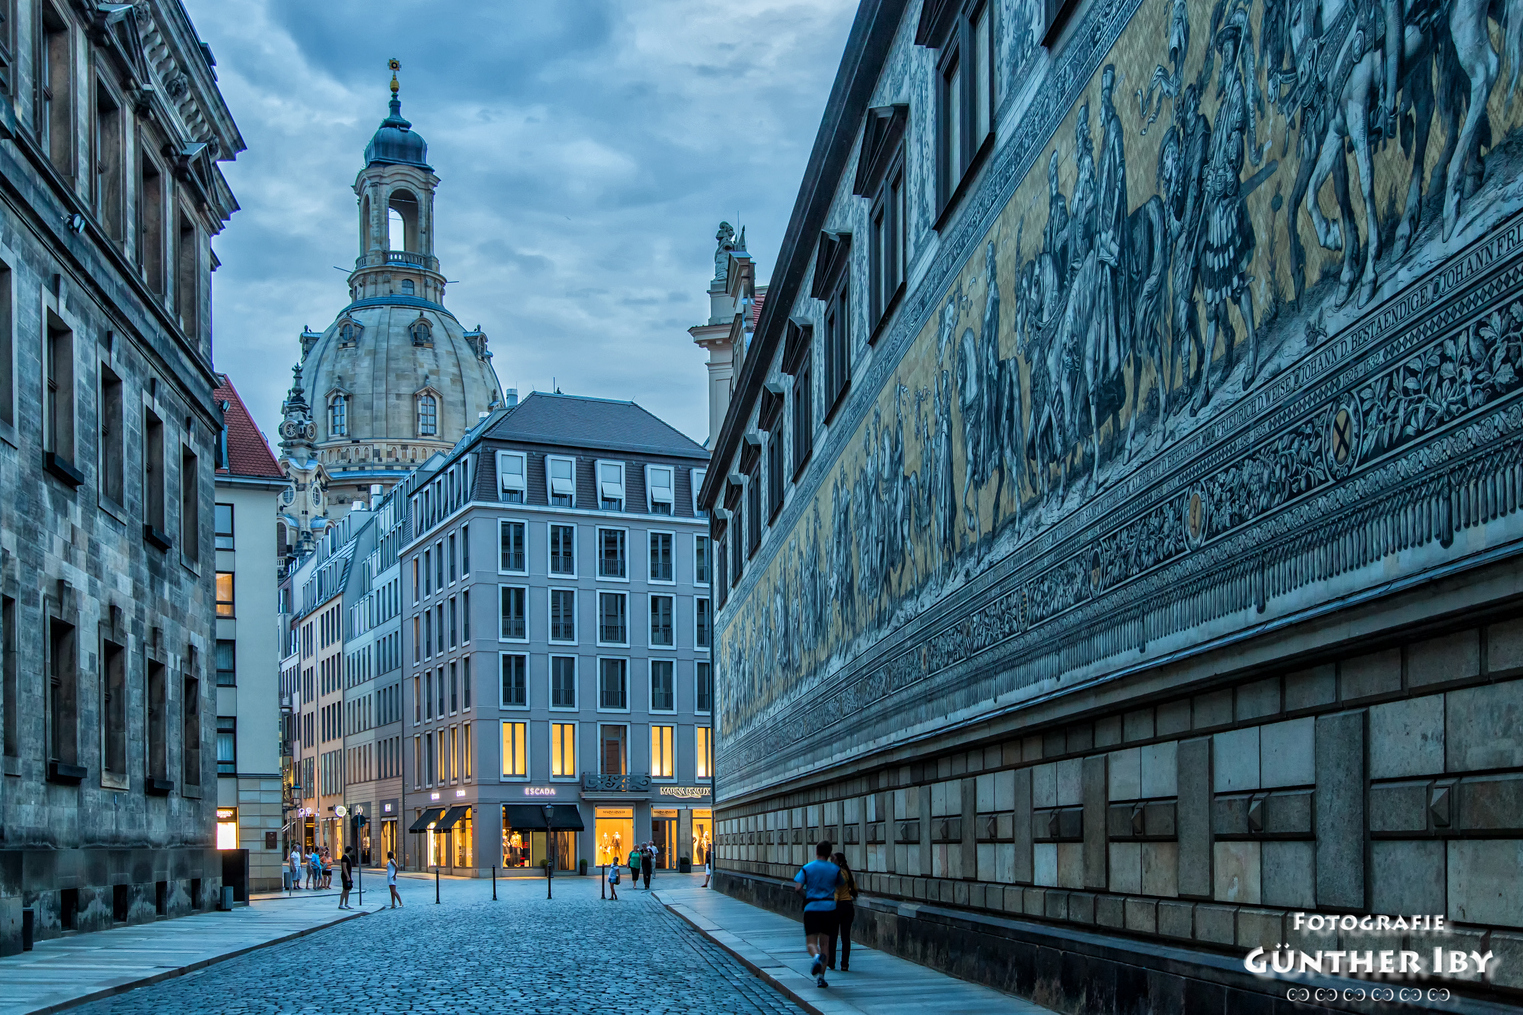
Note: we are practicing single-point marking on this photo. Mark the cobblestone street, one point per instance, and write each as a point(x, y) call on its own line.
point(521, 954)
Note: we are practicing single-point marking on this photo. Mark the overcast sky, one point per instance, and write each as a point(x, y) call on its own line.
point(587, 150)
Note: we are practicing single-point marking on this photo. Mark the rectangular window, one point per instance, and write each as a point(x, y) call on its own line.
point(112, 444)
point(703, 688)
point(515, 750)
point(439, 629)
point(886, 233)
point(512, 476)
point(151, 222)
point(702, 623)
point(774, 473)
point(108, 162)
point(701, 560)
point(514, 539)
point(563, 681)
point(55, 93)
point(661, 762)
point(227, 745)
point(838, 341)
point(9, 685)
point(439, 685)
point(662, 631)
point(613, 628)
point(705, 752)
point(803, 413)
point(439, 565)
point(613, 684)
point(659, 487)
point(58, 390)
point(465, 552)
point(613, 750)
point(465, 683)
point(515, 681)
point(454, 754)
point(467, 755)
point(515, 613)
point(428, 692)
point(7, 341)
point(454, 687)
point(453, 621)
point(753, 511)
point(433, 759)
point(610, 486)
point(562, 750)
point(663, 686)
point(560, 474)
point(452, 575)
point(190, 735)
point(428, 634)
point(698, 476)
point(563, 550)
point(114, 709)
point(188, 277)
point(965, 99)
point(225, 594)
point(418, 697)
point(465, 618)
point(428, 571)
point(661, 569)
point(418, 641)
point(224, 526)
point(157, 762)
point(563, 615)
point(611, 553)
point(227, 662)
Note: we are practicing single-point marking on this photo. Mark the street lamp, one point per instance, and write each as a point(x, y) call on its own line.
point(549, 852)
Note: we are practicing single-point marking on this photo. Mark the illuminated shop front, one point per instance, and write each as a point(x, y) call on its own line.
point(703, 835)
point(533, 833)
point(614, 828)
point(435, 843)
point(227, 828)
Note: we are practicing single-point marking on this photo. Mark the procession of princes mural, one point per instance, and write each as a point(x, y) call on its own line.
point(1237, 183)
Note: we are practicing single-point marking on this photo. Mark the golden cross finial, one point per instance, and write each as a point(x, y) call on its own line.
point(394, 65)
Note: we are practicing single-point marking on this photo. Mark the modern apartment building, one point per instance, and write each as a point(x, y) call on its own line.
point(557, 687)
point(109, 434)
point(247, 647)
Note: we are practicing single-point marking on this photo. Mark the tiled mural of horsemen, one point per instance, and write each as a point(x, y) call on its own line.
point(1237, 182)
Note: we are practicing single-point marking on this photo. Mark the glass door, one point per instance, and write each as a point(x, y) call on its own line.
point(663, 829)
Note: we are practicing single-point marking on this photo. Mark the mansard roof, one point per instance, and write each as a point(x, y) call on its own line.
point(593, 423)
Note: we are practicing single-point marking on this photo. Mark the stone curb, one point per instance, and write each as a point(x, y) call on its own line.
point(170, 974)
point(762, 965)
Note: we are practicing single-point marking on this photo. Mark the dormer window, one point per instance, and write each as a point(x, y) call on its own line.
point(512, 476)
point(658, 486)
point(422, 333)
point(407, 287)
point(611, 486)
point(349, 333)
point(338, 416)
point(561, 476)
point(428, 416)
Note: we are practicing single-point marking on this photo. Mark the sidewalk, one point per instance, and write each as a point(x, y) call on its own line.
point(772, 946)
point(63, 972)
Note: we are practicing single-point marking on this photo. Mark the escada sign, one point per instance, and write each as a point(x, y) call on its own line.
point(539, 791)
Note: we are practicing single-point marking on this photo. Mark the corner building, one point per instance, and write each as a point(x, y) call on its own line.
point(1098, 551)
point(109, 437)
point(557, 689)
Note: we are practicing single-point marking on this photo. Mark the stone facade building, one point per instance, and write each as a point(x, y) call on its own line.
point(108, 440)
point(395, 377)
point(249, 813)
point(735, 302)
point(1115, 554)
point(555, 642)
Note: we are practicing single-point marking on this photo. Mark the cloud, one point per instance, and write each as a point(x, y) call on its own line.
point(587, 150)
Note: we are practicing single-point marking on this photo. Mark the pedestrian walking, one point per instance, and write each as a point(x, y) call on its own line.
point(613, 882)
point(635, 855)
point(846, 912)
point(649, 864)
point(314, 870)
point(817, 882)
point(391, 879)
point(346, 878)
point(295, 867)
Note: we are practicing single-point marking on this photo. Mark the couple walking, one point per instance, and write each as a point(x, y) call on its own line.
point(830, 894)
point(642, 860)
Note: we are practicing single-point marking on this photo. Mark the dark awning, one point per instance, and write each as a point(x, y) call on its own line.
point(451, 816)
point(429, 816)
point(531, 817)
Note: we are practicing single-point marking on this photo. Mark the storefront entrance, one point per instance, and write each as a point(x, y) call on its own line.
point(614, 828)
point(703, 836)
point(388, 839)
point(663, 831)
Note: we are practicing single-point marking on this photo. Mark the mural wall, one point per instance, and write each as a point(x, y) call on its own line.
point(1216, 212)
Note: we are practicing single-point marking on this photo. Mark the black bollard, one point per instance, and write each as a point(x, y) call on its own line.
point(436, 886)
point(603, 883)
point(494, 882)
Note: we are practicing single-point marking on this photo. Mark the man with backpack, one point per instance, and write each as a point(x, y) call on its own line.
point(818, 882)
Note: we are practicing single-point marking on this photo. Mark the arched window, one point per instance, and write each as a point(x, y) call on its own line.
point(338, 416)
point(407, 288)
point(428, 416)
point(422, 334)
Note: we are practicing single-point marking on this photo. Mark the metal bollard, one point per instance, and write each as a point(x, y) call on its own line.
point(436, 886)
point(494, 882)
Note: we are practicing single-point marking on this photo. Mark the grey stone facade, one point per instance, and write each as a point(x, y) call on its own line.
point(1130, 562)
point(109, 435)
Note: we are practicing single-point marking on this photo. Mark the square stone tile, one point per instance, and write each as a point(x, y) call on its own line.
point(1235, 760)
point(1407, 738)
point(1237, 870)
point(1287, 753)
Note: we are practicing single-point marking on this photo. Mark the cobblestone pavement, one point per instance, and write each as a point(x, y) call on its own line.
point(521, 955)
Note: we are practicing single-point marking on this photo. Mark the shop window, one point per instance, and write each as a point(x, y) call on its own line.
point(563, 550)
point(515, 681)
point(513, 538)
point(515, 750)
point(613, 684)
point(661, 569)
point(563, 681)
point(663, 686)
point(562, 750)
point(662, 765)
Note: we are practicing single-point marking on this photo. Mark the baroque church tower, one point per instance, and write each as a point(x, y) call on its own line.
point(395, 377)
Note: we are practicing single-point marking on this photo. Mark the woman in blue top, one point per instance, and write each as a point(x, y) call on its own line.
point(818, 882)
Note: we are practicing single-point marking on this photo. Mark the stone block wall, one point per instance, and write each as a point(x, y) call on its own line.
point(1380, 779)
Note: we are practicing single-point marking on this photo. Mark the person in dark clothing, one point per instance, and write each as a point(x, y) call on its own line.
point(647, 862)
point(346, 874)
point(846, 911)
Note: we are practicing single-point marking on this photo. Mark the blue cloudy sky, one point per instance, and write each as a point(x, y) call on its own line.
point(588, 150)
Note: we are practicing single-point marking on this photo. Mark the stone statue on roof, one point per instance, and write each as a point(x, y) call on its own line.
point(726, 243)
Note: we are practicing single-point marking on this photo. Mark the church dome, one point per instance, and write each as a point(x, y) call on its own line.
point(395, 142)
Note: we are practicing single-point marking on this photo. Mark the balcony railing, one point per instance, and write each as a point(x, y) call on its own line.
point(638, 783)
point(376, 258)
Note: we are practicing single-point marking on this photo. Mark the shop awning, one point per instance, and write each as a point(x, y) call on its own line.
point(429, 816)
point(451, 816)
point(531, 817)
